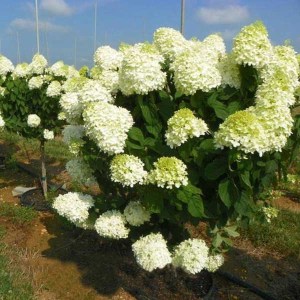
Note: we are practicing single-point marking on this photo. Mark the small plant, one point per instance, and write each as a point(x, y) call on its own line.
point(18, 214)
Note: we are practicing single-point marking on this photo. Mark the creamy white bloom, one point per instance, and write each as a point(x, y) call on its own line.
point(107, 78)
point(107, 125)
point(270, 213)
point(151, 252)
point(74, 206)
point(127, 170)
point(74, 84)
point(38, 64)
point(48, 134)
point(2, 122)
point(53, 89)
point(196, 70)
point(80, 172)
point(93, 91)
point(230, 72)
point(168, 172)
point(182, 126)
point(215, 46)
point(2, 91)
point(33, 120)
point(6, 66)
point(169, 42)
point(191, 256)
point(108, 58)
point(72, 136)
point(141, 70)
point(71, 106)
point(136, 214)
point(35, 82)
point(214, 262)
point(242, 130)
point(21, 70)
point(252, 46)
point(112, 224)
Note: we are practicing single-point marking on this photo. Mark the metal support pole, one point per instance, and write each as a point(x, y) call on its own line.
point(37, 27)
point(182, 16)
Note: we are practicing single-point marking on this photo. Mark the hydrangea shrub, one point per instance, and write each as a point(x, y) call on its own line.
point(29, 99)
point(186, 133)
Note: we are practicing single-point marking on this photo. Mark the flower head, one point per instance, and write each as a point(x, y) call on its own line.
point(127, 170)
point(107, 125)
point(74, 206)
point(6, 66)
point(108, 58)
point(169, 172)
point(48, 134)
point(38, 64)
point(191, 255)
point(141, 70)
point(33, 120)
point(151, 252)
point(111, 224)
point(35, 82)
point(182, 126)
point(136, 214)
point(53, 89)
point(214, 262)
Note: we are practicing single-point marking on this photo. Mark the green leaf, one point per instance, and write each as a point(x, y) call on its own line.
point(231, 231)
point(216, 168)
point(136, 134)
point(195, 206)
point(225, 191)
point(152, 198)
point(245, 178)
point(131, 145)
point(208, 145)
point(219, 108)
point(217, 240)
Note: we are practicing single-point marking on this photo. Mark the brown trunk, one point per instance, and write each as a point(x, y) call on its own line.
point(44, 172)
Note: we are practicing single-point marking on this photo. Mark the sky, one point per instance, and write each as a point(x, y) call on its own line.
point(67, 26)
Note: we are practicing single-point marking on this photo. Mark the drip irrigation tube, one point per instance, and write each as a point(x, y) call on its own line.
point(246, 285)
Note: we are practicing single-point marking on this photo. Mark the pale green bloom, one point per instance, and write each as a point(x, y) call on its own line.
point(136, 214)
point(168, 172)
point(127, 170)
point(182, 126)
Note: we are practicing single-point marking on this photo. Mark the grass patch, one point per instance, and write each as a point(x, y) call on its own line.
point(12, 283)
point(18, 214)
point(281, 235)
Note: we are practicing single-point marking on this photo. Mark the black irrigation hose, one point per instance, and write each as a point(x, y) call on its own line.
point(246, 285)
point(227, 275)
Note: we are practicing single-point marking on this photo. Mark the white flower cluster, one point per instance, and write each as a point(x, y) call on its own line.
point(6, 66)
point(169, 42)
point(252, 46)
point(191, 255)
point(72, 136)
point(267, 125)
point(74, 84)
point(136, 214)
point(59, 69)
point(230, 72)
point(93, 91)
point(2, 91)
point(33, 120)
point(80, 172)
point(108, 58)
point(141, 70)
point(127, 170)
point(151, 252)
point(214, 262)
point(21, 70)
point(197, 69)
point(48, 134)
point(112, 224)
point(38, 64)
point(182, 126)
point(71, 106)
point(107, 125)
point(2, 122)
point(215, 46)
point(74, 206)
point(107, 78)
point(270, 213)
point(54, 89)
point(35, 82)
point(169, 172)
point(242, 130)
